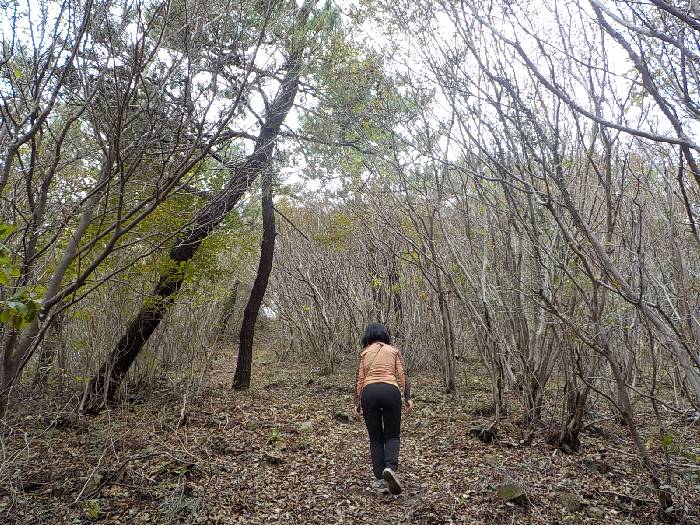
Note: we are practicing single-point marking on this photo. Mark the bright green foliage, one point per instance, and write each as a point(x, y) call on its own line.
point(355, 106)
point(20, 310)
point(24, 304)
point(92, 508)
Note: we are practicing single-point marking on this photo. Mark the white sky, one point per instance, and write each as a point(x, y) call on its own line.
point(411, 55)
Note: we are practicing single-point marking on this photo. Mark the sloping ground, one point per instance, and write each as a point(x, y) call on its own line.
point(287, 453)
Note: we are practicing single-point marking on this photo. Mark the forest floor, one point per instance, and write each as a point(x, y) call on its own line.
point(287, 452)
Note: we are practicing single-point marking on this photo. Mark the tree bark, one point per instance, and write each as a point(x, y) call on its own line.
point(396, 318)
point(241, 380)
point(449, 355)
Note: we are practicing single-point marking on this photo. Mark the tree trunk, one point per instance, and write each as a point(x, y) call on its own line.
point(449, 365)
point(241, 380)
point(105, 383)
point(395, 299)
point(9, 370)
point(567, 439)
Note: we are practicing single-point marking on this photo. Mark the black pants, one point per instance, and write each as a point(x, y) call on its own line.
point(381, 406)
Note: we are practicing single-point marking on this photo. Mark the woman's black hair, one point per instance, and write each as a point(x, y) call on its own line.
point(375, 332)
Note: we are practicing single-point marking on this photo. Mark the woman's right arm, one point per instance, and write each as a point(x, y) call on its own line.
point(360, 381)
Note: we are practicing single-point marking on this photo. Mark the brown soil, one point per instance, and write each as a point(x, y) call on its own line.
point(285, 453)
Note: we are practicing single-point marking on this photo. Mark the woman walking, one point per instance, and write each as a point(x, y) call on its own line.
point(378, 398)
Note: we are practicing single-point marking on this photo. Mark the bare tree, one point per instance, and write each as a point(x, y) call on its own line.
point(243, 173)
point(116, 124)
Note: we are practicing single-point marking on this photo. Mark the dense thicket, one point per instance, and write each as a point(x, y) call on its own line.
point(513, 187)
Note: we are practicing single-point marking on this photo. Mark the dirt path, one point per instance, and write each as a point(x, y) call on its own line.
point(284, 453)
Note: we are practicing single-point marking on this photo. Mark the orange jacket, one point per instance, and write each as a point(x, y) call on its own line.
point(381, 363)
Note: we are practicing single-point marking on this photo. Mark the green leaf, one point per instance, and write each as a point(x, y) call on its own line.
point(22, 310)
point(667, 440)
point(92, 508)
point(6, 230)
point(15, 322)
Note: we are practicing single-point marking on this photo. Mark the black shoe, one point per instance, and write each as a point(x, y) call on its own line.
point(392, 480)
